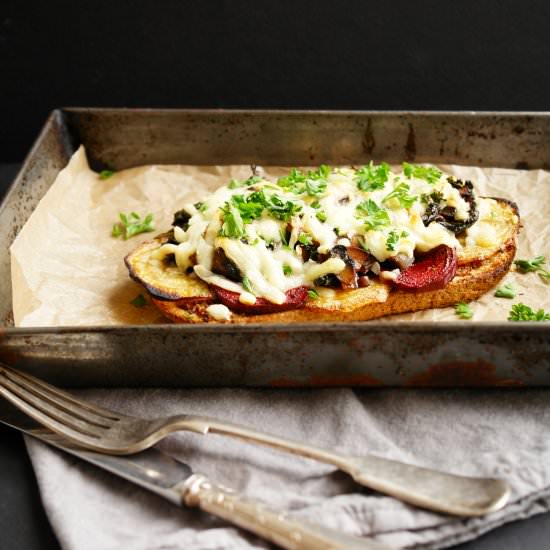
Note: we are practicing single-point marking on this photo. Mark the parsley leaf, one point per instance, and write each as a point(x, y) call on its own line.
point(426, 173)
point(313, 294)
point(314, 183)
point(305, 239)
point(393, 239)
point(287, 270)
point(201, 206)
point(321, 216)
point(435, 196)
point(132, 224)
point(139, 301)
point(399, 194)
point(235, 184)
point(106, 174)
point(372, 177)
point(374, 216)
point(233, 224)
point(534, 265)
point(521, 312)
point(463, 310)
point(506, 291)
point(247, 285)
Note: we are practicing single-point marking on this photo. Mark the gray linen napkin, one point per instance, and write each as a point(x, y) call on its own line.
point(491, 433)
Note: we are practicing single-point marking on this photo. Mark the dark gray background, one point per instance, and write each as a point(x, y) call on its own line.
point(350, 54)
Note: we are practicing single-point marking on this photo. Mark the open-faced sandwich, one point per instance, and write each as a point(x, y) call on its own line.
point(333, 244)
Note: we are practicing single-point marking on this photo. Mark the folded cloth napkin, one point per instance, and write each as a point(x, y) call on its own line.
point(504, 433)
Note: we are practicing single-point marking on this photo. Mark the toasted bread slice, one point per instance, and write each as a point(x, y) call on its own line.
point(184, 299)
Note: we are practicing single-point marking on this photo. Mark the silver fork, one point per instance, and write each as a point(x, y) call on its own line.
point(109, 432)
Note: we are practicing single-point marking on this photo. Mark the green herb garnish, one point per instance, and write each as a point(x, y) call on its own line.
point(287, 270)
point(506, 291)
point(463, 310)
point(426, 173)
point(521, 312)
point(201, 206)
point(313, 294)
point(399, 194)
point(132, 224)
point(373, 216)
point(139, 301)
point(372, 177)
point(233, 224)
point(235, 184)
point(321, 216)
point(534, 265)
point(106, 174)
point(393, 239)
point(247, 285)
point(314, 183)
point(305, 239)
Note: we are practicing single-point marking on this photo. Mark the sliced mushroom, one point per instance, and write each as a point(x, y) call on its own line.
point(222, 265)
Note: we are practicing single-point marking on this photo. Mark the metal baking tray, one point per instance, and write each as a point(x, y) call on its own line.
point(325, 354)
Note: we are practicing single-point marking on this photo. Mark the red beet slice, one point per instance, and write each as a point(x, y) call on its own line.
point(432, 271)
point(295, 298)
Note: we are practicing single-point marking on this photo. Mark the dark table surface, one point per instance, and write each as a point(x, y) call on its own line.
point(23, 523)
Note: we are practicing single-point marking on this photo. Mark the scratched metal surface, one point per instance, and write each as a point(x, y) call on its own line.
point(352, 354)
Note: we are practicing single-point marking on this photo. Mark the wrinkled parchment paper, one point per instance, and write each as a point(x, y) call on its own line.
point(68, 270)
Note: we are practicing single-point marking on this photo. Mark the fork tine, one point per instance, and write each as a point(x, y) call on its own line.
point(61, 398)
point(48, 416)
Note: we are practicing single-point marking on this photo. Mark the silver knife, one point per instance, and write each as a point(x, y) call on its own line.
point(176, 482)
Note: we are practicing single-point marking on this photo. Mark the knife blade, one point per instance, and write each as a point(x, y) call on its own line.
point(175, 481)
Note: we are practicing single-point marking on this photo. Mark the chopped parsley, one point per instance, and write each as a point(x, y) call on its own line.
point(506, 291)
point(106, 174)
point(201, 206)
point(132, 224)
point(235, 184)
point(400, 195)
point(139, 301)
point(393, 239)
point(372, 177)
point(313, 294)
point(241, 210)
point(247, 285)
point(321, 216)
point(233, 224)
point(535, 265)
point(463, 310)
point(314, 183)
point(287, 270)
point(305, 239)
point(521, 312)
point(373, 216)
point(426, 173)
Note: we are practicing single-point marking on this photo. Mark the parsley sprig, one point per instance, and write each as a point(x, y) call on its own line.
point(235, 184)
point(313, 183)
point(241, 210)
point(400, 194)
point(131, 224)
point(106, 174)
point(373, 215)
point(463, 310)
point(535, 265)
point(372, 177)
point(506, 291)
point(426, 173)
point(393, 239)
point(522, 312)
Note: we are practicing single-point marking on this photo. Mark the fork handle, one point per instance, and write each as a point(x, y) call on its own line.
point(431, 489)
point(286, 532)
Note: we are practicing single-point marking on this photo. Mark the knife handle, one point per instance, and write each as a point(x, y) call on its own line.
point(276, 527)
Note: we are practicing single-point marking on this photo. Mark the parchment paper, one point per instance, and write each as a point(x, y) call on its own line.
point(68, 270)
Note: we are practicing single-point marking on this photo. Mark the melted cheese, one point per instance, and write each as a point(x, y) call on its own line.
point(219, 312)
point(324, 215)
